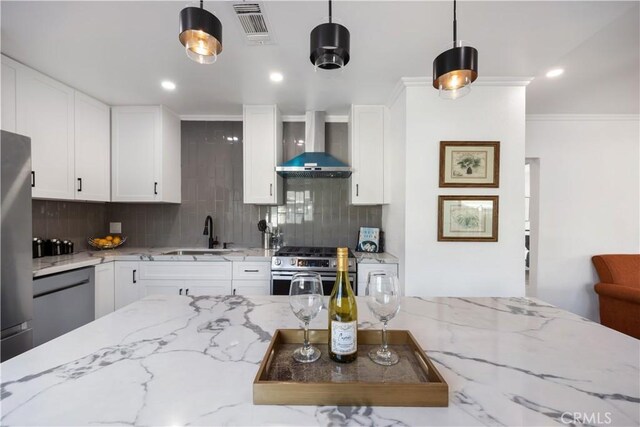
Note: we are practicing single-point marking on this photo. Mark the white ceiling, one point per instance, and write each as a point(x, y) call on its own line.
point(120, 51)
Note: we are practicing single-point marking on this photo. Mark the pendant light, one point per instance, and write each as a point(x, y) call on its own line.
point(329, 45)
point(200, 34)
point(455, 69)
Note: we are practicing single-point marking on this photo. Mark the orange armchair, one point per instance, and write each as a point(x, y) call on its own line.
point(619, 292)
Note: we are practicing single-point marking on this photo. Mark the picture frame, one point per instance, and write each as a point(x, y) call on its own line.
point(470, 164)
point(369, 240)
point(468, 218)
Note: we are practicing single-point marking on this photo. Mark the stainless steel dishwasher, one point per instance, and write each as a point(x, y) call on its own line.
point(62, 302)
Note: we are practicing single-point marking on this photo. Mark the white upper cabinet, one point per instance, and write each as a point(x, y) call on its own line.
point(366, 153)
point(45, 113)
point(92, 149)
point(145, 155)
point(8, 90)
point(69, 134)
point(262, 152)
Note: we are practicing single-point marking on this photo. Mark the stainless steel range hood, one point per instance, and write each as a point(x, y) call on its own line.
point(314, 162)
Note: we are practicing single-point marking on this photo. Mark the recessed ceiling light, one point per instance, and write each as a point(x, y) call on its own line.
point(167, 85)
point(555, 72)
point(276, 77)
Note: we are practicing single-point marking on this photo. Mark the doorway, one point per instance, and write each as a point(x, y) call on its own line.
point(531, 220)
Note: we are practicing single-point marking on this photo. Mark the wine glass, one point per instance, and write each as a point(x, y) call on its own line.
point(383, 299)
point(305, 299)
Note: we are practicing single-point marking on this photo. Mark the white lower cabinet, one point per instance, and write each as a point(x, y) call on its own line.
point(159, 289)
point(251, 287)
point(214, 287)
point(365, 269)
point(127, 283)
point(135, 280)
point(105, 289)
point(185, 270)
point(187, 287)
point(185, 278)
point(251, 278)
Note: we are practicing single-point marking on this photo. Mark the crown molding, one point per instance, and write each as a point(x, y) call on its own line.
point(582, 117)
point(481, 81)
point(211, 117)
point(238, 118)
point(427, 81)
point(335, 118)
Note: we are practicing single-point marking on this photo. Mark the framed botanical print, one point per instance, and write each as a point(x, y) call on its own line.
point(469, 164)
point(468, 218)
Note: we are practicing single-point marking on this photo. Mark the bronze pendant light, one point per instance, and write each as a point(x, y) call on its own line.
point(329, 44)
point(455, 69)
point(200, 34)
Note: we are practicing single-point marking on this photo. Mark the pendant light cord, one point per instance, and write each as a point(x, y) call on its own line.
point(455, 25)
point(330, 14)
point(201, 4)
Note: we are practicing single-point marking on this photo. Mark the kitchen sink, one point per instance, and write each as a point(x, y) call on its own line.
point(200, 252)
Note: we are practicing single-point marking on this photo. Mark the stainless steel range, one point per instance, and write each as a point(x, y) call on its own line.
point(294, 259)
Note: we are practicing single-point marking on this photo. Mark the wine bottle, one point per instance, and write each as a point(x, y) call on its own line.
point(343, 314)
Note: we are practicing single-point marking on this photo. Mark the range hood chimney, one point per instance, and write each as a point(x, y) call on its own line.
point(314, 162)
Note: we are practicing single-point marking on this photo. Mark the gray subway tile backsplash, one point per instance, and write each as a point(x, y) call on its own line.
point(316, 211)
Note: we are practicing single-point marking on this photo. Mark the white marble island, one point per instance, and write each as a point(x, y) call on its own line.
point(171, 360)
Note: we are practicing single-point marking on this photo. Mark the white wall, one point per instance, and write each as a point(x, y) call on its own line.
point(589, 193)
point(393, 213)
point(435, 268)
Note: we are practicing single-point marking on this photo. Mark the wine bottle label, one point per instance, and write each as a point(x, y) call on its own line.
point(344, 337)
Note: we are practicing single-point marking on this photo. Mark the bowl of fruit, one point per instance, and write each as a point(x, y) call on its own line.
point(107, 242)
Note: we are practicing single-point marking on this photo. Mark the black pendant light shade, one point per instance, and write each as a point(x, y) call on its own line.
point(329, 45)
point(200, 34)
point(455, 69)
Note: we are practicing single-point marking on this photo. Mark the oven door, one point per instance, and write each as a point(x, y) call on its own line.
point(281, 282)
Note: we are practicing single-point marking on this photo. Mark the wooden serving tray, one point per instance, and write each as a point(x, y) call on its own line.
point(414, 381)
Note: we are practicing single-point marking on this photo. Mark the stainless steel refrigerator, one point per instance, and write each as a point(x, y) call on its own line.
point(16, 256)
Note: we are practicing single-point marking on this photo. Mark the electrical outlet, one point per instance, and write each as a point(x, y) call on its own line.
point(115, 227)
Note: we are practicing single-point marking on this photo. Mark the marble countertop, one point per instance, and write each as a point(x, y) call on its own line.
point(174, 360)
point(57, 264)
point(370, 258)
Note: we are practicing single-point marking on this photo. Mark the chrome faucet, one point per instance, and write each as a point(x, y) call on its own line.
point(208, 229)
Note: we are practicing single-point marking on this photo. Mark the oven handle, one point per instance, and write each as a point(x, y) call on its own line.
point(289, 276)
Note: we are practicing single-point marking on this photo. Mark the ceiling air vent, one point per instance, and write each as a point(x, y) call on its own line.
point(253, 22)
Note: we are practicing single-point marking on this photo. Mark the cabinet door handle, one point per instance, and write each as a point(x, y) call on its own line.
point(180, 291)
point(186, 292)
point(357, 190)
point(234, 292)
point(33, 178)
point(271, 189)
point(155, 188)
point(252, 271)
point(79, 185)
point(134, 276)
